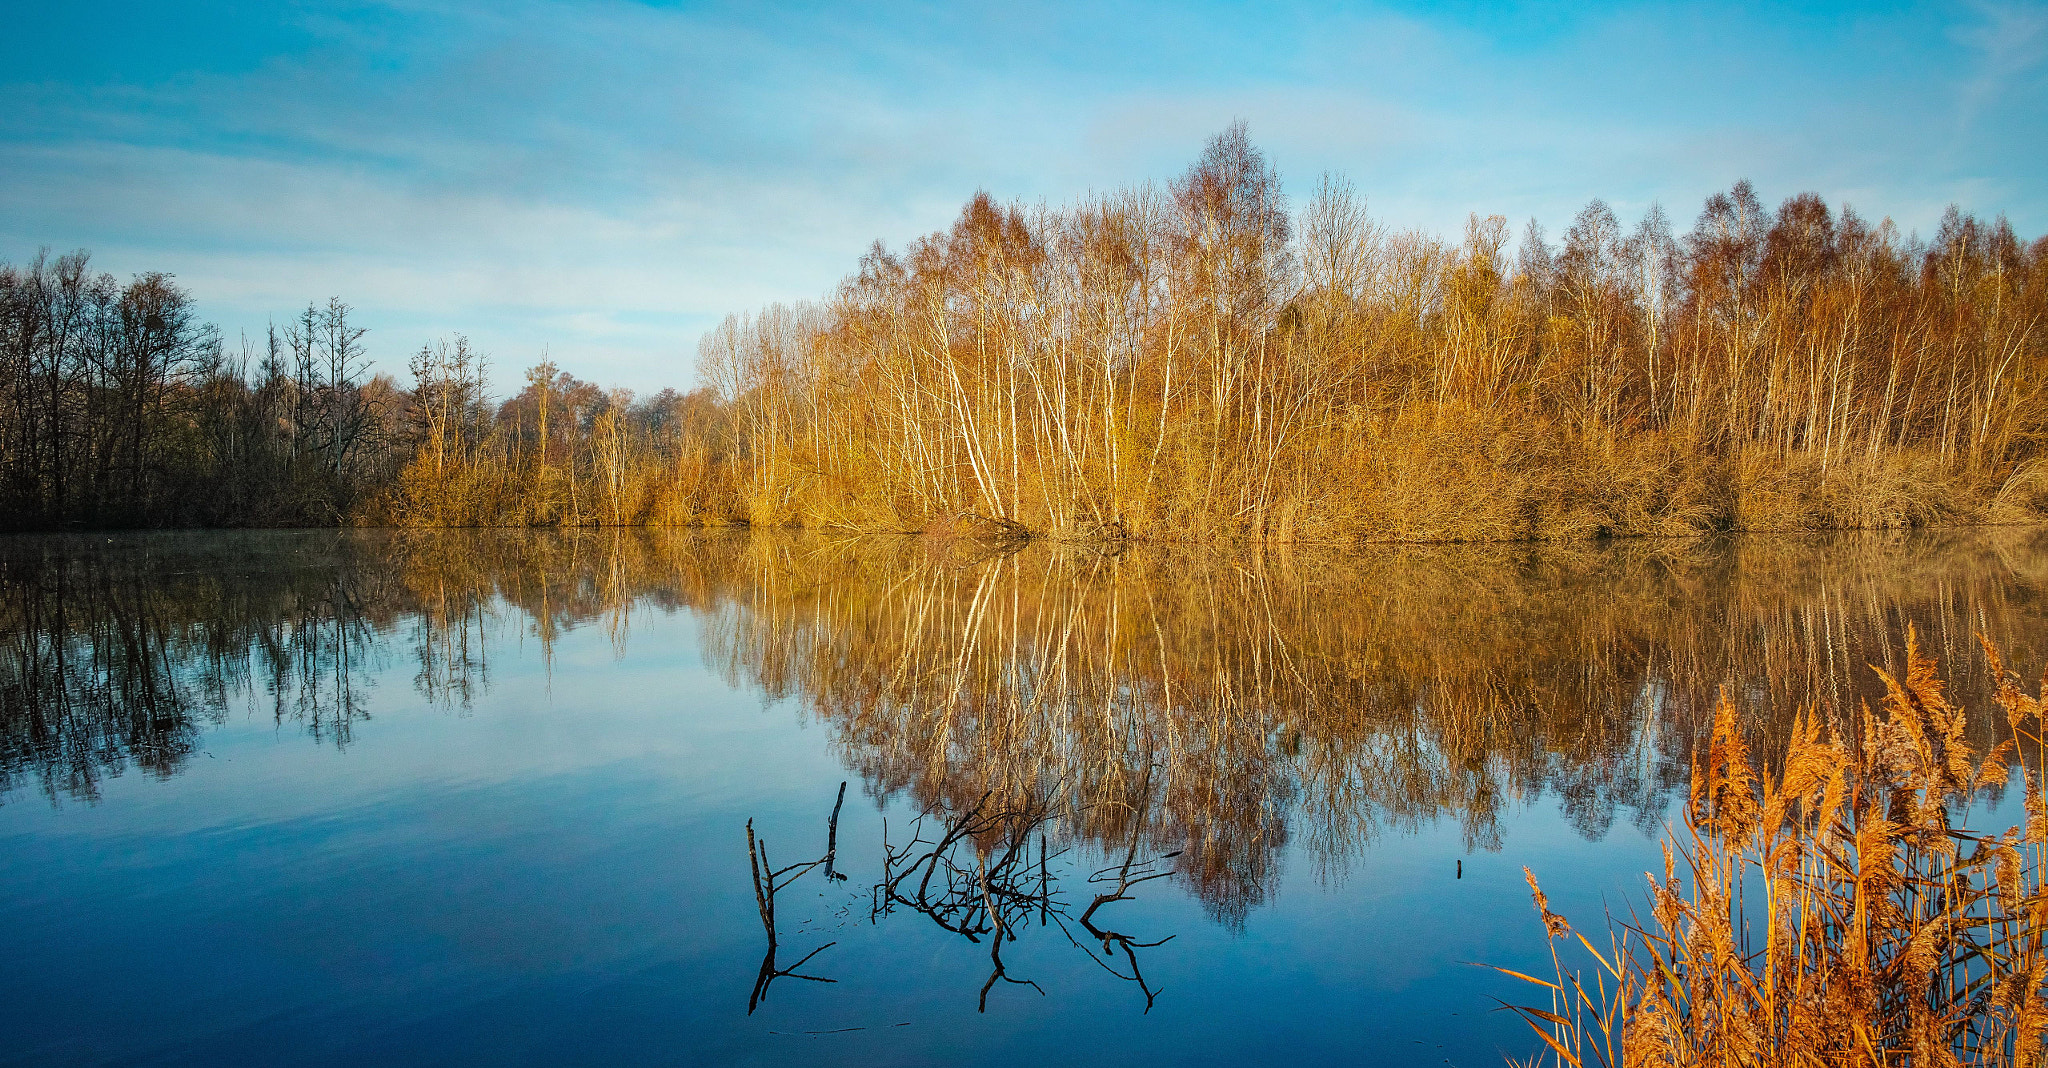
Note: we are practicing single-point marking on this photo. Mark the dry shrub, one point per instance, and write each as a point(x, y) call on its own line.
point(1825, 911)
point(2023, 496)
point(1446, 474)
point(454, 494)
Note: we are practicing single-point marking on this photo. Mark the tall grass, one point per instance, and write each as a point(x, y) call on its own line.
point(1826, 910)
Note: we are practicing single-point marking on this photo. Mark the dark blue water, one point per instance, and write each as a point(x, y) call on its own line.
point(319, 798)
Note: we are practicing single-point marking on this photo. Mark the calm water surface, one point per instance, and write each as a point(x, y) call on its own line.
point(364, 798)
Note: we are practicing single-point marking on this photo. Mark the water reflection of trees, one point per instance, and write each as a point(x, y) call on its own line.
point(1303, 697)
point(117, 652)
point(1334, 699)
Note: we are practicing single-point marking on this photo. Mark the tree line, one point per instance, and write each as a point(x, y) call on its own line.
point(1192, 359)
point(1195, 359)
point(120, 408)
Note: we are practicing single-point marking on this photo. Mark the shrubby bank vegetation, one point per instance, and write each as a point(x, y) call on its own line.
point(1200, 359)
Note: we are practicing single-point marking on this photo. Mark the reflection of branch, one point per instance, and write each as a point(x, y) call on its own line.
point(1128, 875)
point(987, 898)
point(767, 880)
point(1001, 890)
point(977, 879)
point(995, 945)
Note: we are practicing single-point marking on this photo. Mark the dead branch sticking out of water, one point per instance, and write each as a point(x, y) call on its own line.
point(998, 891)
point(767, 882)
point(1128, 875)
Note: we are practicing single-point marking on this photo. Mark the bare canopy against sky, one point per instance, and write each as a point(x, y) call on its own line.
point(605, 180)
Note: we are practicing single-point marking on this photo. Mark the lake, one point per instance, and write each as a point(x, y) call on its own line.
point(367, 797)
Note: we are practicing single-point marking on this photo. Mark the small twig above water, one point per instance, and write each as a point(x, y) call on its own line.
point(767, 882)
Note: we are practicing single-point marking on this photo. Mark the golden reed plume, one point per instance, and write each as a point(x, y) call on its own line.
point(1826, 911)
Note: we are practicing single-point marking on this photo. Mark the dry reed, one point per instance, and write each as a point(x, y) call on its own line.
point(1826, 911)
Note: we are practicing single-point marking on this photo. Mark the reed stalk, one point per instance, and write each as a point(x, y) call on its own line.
point(1825, 908)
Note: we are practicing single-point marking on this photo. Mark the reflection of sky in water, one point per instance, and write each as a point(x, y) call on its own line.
point(557, 875)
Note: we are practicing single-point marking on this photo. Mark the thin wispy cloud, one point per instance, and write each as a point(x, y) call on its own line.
point(2011, 43)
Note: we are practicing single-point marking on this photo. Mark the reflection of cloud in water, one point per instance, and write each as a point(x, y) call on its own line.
point(1307, 696)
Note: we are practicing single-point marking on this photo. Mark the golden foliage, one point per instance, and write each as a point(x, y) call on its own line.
point(1189, 362)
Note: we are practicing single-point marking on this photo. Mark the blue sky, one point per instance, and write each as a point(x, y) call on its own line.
point(603, 181)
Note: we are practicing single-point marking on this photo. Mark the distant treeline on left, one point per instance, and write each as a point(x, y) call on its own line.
point(120, 408)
